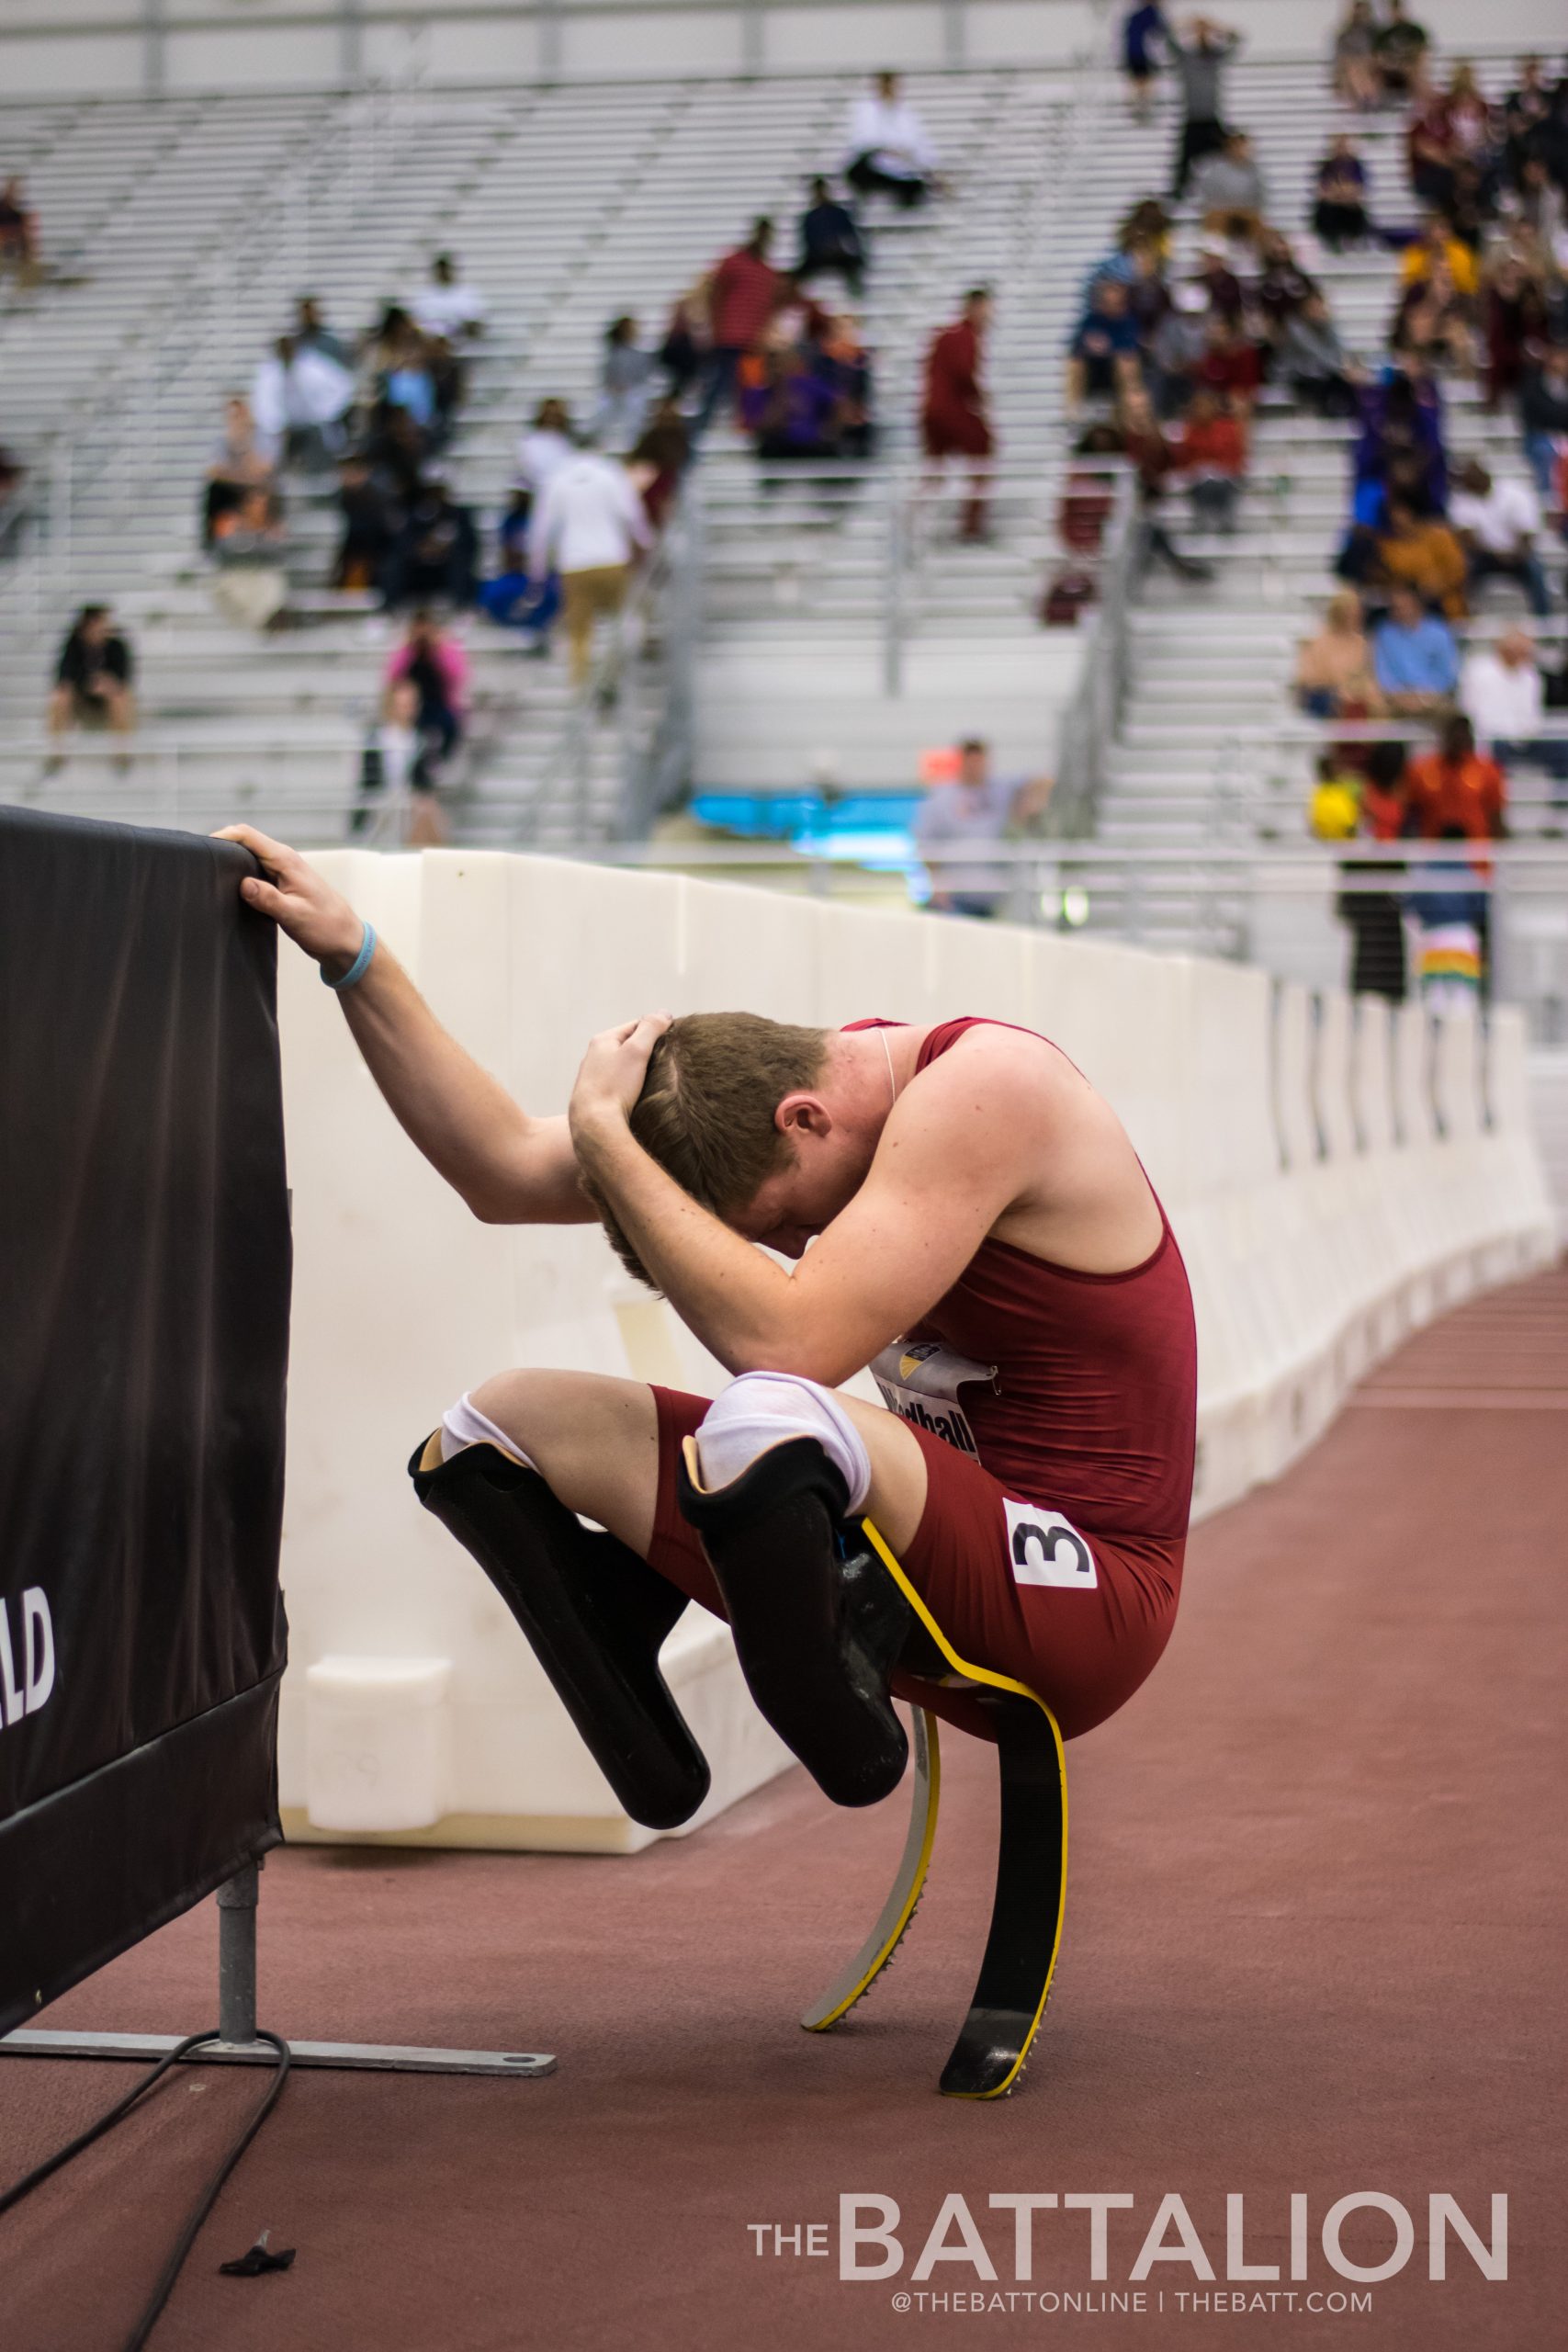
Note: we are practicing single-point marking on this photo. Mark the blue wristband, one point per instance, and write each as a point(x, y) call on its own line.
point(356, 970)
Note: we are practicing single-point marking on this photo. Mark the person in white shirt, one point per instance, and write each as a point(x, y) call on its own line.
point(301, 398)
point(1500, 693)
point(588, 524)
point(1497, 523)
point(888, 146)
point(548, 444)
point(447, 305)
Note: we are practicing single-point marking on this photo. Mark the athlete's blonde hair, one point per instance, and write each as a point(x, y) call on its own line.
point(705, 1113)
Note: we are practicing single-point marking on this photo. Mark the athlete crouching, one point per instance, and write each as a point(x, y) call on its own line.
point(983, 1236)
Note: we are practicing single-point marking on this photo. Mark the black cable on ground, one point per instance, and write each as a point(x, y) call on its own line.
point(210, 2195)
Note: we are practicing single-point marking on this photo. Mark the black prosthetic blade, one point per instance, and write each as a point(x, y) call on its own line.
point(818, 1621)
point(594, 1614)
point(1026, 1915)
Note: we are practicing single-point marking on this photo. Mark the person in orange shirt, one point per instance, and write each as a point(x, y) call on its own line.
point(1456, 785)
point(1420, 551)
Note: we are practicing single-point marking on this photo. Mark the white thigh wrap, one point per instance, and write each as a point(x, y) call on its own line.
point(764, 1409)
point(464, 1424)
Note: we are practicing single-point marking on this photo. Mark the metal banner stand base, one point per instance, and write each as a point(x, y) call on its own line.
point(237, 2021)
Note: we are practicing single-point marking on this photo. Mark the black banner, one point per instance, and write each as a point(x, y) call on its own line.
point(144, 1280)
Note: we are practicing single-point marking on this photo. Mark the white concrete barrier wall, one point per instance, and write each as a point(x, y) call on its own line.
point(1334, 1174)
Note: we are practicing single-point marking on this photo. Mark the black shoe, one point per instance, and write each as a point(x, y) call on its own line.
point(596, 1615)
point(818, 1623)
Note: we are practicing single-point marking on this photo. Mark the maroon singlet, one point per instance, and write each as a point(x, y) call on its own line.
point(1092, 1417)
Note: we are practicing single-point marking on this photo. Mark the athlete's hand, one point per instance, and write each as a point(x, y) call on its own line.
point(613, 1072)
point(315, 916)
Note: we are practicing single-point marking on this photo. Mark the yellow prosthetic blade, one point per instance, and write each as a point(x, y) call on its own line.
point(899, 1909)
point(1013, 1988)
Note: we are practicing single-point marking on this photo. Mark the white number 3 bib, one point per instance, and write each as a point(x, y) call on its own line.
point(1046, 1549)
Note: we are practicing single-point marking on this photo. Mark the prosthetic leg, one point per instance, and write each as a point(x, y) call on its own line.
point(594, 1613)
point(818, 1623)
point(1019, 1959)
point(821, 1612)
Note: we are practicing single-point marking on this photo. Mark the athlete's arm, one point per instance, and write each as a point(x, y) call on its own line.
point(958, 1149)
point(510, 1169)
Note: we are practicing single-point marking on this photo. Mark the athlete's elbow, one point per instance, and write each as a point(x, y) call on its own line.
point(798, 1358)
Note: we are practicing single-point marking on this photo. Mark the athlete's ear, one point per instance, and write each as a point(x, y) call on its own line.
point(801, 1114)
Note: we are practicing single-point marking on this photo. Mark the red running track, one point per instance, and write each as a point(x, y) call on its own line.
point(1315, 1943)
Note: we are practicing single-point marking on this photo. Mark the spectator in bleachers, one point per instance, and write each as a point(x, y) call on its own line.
point(661, 457)
point(1455, 784)
point(1147, 448)
point(1449, 907)
point(1543, 205)
point(1434, 319)
point(682, 354)
point(1200, 61)
point(625, 386)
point(831, 242)
point(368, 526)
point(1334, 669)
point(1145, 36)
point(1502, 694)
point(1527, 106)
point(547, 443)
point(1432, 151)
point(1422, 552)
point(93, 677)
point(1436, 246)
point(448, 306)
point(1400, 47)
point(743, 294)
point(301, 398)
point(435, 551)
point(1543, 412)
point(1313, 362)
point(406, 381)
point(1211, 455)
point(511, 598)
point(794, 411)
point(1231, 366)
point(1414, 657)
point(244, 459)
point(18, 232)
point(1176, 347)
point(1473, 127)
point(976, 810)
point(398, 761)
point(888, 147)
point(1230, 192)
point(1340, 215)
point(1102, 356)
point(250, 585)
point(1498, 523)
point(1221, 285)
point(1517, 317)
point(1147, 221)
point(954, 418)
point(588, 525)
point(1282, 284)
point(397, 449)
point(1401, 438)
point(312, 333)
point(435, 665)
point(1356, 77)
point(847, 364)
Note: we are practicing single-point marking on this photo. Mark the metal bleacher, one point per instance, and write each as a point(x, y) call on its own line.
point(566, 205)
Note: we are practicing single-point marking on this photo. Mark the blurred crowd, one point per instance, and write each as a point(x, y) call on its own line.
point(1167, 365)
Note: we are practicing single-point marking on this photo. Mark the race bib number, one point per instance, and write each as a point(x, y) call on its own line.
point(919, 1381)
point(1046, 1549)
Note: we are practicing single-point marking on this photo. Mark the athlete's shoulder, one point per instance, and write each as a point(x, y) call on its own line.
point(1000, 1053)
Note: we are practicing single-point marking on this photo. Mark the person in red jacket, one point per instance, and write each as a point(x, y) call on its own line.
point(1211, 451)
point(1456, 785)
point(953, 423)
point(743, 294)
